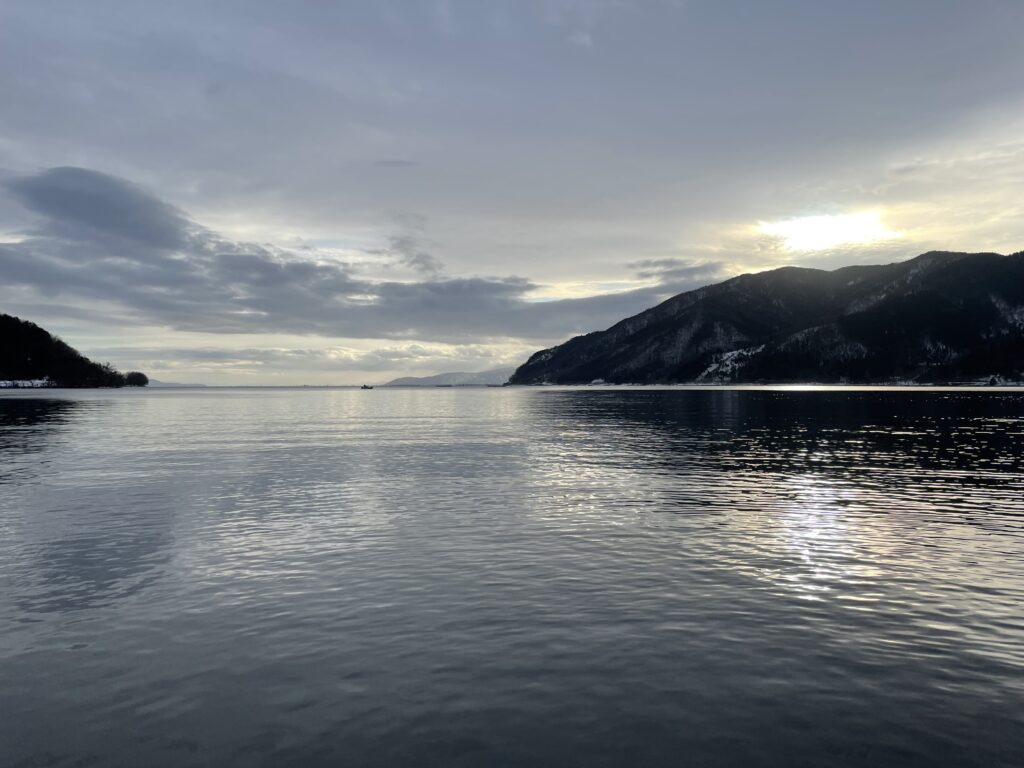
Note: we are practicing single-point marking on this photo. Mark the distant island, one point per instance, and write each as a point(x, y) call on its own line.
point(939, 318)
point(33, 357)
point(491, 378)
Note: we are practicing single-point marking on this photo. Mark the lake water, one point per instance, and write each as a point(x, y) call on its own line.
point(512, 577)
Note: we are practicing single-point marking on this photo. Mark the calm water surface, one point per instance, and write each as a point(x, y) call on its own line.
point(512, 577)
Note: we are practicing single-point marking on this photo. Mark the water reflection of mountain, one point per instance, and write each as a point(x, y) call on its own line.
point(876, 438)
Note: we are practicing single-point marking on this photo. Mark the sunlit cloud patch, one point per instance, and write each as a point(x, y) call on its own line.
point(819, 233)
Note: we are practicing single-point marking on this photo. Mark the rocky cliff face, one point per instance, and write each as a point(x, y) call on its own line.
point(939, 317)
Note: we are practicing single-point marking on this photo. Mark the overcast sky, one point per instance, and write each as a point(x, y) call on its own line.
point(309, 192)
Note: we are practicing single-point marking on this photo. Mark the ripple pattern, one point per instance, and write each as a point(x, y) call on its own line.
point(512, 577)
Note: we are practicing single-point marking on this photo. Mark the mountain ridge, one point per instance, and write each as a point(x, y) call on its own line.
point(491, 377)
point(940, 316)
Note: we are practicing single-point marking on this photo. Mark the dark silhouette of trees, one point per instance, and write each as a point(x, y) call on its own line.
point(136, 379)
point(29, 352)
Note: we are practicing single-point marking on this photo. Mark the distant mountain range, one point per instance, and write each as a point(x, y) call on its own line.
point(480, 379)
point(30, 354)
point(941, 317)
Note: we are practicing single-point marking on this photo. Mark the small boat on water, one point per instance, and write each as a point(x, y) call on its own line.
point(366, 386)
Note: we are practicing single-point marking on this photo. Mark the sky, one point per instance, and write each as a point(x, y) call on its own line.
point(250, 192)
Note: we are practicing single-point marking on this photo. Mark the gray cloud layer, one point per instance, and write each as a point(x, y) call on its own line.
point(97, 238)
point(555, 129)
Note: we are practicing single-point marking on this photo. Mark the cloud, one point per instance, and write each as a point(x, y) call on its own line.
point(328, 364)
point(396, 163)
point(684, 118)
point(582, 39)
point(675, 270)
point(410, 251)
point(97, 238)
point(78, 203)
point(821, 233)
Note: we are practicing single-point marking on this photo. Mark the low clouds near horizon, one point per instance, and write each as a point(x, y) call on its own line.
point(94, 239)
point(336, 184)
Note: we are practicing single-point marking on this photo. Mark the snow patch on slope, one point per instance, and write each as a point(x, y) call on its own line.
point(1012, 314)
point(726, 365)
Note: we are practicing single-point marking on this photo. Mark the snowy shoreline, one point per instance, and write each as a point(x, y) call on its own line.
point(25, 383)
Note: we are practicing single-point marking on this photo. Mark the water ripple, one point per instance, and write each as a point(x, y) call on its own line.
point(512, 577)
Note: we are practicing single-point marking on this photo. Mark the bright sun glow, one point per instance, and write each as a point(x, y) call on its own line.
point(817, 233)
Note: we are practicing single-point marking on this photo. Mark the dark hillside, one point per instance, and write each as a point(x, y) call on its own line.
point(939, 317)
point(29, 352)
